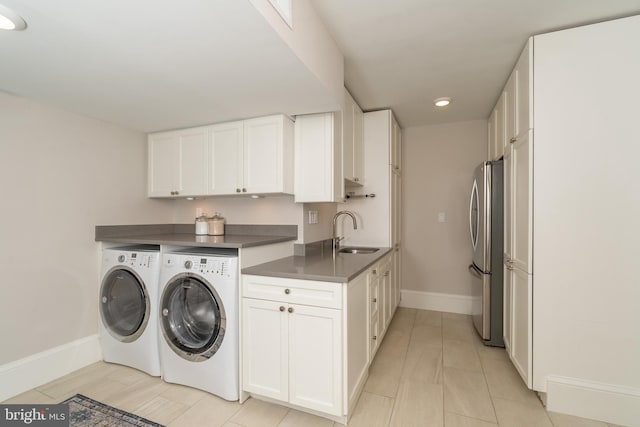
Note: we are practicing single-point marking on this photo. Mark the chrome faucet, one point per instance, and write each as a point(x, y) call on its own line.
point(336, 240)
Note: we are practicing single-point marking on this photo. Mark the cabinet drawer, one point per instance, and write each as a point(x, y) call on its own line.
point(307, 292)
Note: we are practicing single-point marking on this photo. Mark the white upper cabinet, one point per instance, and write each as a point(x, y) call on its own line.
point(318, 158)
point(352, 141)
point(226, 158)
point(245, 157)
point(268, 155)
point(497, 128)
point(177, 165)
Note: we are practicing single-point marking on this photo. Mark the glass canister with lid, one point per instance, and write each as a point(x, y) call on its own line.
point(202, 225)
point(216, 225)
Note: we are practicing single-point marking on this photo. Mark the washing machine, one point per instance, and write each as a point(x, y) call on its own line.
point(199, 310)
point(129, 307)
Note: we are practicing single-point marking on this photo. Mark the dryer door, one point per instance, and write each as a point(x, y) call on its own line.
point(124, 304)
point(193, 318)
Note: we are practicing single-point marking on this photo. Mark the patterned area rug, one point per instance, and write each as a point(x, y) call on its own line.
point(84, 412)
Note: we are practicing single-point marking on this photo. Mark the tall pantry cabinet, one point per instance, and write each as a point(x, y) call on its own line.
point(571, 216)
point(510, 137)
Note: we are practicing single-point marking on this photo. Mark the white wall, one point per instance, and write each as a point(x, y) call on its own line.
point(311, 42)
point(62, 174)
point(586, 281)
point(270, 210)
point(438, 164)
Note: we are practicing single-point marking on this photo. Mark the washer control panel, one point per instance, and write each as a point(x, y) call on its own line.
point(218, 266)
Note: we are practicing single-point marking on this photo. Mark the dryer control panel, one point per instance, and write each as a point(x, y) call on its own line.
point(135, 260)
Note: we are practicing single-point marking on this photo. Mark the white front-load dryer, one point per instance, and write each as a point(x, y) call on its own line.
point(129, 307)
point(199, 310)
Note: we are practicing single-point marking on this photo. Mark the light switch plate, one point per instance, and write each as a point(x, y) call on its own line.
point(442, 217)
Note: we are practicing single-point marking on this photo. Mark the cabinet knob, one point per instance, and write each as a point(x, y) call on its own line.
point(244, 190)
point(290, 309)
point(287, 291)
point(282, 308)
point(356, 179)
point(375, 337)
point(513, 139)
point(237, 190)
point(375, 300)
point(386, 273)
point(374, 271)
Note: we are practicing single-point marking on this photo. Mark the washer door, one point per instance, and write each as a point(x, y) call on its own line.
point(193, 318)
point(124, 304)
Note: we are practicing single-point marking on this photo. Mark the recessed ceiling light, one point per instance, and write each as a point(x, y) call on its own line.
point(442, 102)
point(9, 20)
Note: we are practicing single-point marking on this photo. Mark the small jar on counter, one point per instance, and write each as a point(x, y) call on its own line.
point(202, 225)
point(216, 225)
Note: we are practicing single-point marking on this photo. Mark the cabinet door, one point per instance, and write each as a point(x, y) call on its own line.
point(389, 296)
point(396, 147)
point(315, 179)
point(500, 126)
point(193, 147)
point(524, 90)
point(511, 106)
point(265, 348)
point(358, 145)
point(507, 314)
point(348, 123)
point(492, 141)
point(163, 152)
point(521, 324)
point(225, 158)
point(177, 163)
point(522, 202)
point(315, 358)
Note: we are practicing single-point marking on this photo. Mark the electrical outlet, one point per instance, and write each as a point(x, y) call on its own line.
point(313, 217)
point(442, 217)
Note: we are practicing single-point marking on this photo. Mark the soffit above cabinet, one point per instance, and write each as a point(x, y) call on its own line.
point(154, 66)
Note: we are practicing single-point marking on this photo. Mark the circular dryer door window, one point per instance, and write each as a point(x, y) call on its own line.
point(193, 318)
point(124, 305)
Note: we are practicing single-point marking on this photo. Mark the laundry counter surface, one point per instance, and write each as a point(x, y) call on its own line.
point(321, 266)
point(237, 236)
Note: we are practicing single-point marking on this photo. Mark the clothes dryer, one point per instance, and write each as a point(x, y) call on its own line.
point(129, 307)
point(199, 310)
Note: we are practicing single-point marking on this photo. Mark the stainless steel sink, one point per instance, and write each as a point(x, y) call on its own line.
point(357, 250)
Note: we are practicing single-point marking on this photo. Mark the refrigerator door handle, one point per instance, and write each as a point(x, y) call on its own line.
point(474, 271)
point(474, 195)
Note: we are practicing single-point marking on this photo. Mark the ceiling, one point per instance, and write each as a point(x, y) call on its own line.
point(150, 65)
point(155, 65)
point(403, 54)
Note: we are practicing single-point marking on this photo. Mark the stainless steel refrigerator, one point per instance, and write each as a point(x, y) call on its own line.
point(486, 213)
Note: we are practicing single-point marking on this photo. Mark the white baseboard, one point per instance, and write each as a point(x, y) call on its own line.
point(598, 401)
point(435, 301)
point(24, 374)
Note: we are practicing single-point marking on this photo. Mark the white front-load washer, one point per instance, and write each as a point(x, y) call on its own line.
point(199, 310)
point(129, 307)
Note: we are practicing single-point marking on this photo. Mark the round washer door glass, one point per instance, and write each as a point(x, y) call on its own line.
point(193, 319)
point(124, 306)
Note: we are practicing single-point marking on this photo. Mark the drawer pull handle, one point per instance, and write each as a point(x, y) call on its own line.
point(290, 310)
point(375, 300)
point(287, 291)
point(281, 308)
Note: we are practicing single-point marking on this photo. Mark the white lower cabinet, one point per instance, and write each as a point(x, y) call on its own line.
point(309, 344)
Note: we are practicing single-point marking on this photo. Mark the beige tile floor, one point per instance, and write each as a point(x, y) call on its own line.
point(431, 370)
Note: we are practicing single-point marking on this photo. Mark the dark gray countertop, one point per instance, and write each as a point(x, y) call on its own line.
point(226, 241)
point(238, 236)
point(321, 267)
